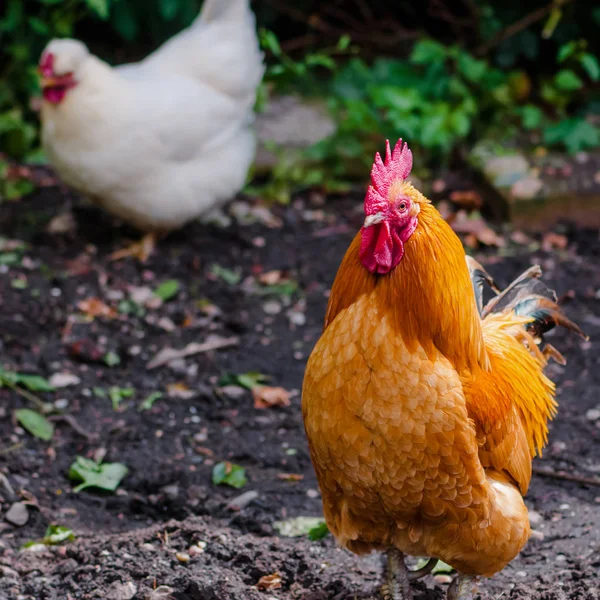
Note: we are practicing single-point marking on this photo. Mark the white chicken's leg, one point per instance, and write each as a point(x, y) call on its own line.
point(463, 587)
point(397, 585)
point(140, 250)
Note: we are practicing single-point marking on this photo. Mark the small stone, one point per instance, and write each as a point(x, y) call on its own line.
point(8, 573)
point(506, 170)
point(232, 391)
point(296, 318)
point(442, 579)
point(162, 592)
point(521, 573)
point(564, 507)
point(182, 557)
point(197, 549)
point(61, 403)
point(6, 490)
point(535, 517)
point(527, 188)
point(171, 491)
point(593, 414)
point(561, 558)
point(241, 501)
point(311, 493)
point(537, 535)
point(272, 307)
point(121, 591)
point(166, 324)
point(62, 380)
point(17, 514)
point(147, 547)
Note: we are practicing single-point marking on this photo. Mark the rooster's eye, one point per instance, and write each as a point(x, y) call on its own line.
point(402, 206)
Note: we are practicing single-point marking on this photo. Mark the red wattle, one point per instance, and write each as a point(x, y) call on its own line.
point(381, 248)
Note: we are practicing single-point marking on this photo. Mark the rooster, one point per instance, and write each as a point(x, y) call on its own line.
point(424, 408)
point(163, 141)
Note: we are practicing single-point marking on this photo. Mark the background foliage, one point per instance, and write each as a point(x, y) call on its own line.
point(443, 74)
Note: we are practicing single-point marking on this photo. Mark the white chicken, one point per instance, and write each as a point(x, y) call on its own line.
point(163, 141)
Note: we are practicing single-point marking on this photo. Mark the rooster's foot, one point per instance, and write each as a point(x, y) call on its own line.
point(463, 587)
point(140, 250)
point(397, 585)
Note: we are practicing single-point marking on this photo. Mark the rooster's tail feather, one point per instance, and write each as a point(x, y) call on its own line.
point(527, 297)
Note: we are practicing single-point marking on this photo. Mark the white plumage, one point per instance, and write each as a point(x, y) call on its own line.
point(162, 141)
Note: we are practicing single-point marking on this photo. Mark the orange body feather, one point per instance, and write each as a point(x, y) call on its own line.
point(422, 417)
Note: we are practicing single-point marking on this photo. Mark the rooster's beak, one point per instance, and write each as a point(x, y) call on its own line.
point(373, 219)
point(46, 82)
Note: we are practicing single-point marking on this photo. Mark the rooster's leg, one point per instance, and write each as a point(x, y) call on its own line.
point(140, 250)
point(397, 585)
point(463, 587)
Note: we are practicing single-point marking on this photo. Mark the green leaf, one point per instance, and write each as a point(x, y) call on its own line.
point(440, 568)
point(426, 52)
point(129, 307)
point(531, 116)
point(38, 26)
point(568, 80)
point(100, 7)
point(318, 532)
point(104, 476)
point(35, 423)
point(148, 403)
point(167, 290)
point(248, 380)
point(269, 41)
point(566, 51)
point(343, 43)
point(227, 275)
point(34, 383)
point(473, 69)
point(117, 395)
point(298, 526)
point(575, 134)
point(55, 535)
point(226, 473)
point(168, 9)
point(111, 359)
point(591, 65)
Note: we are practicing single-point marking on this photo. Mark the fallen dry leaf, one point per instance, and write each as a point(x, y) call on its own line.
point(94, 307)
point(267, 397)
point(269, 582)
point(81, 265)
point(179, 390)
point(270, 277)
point(290, 476)
point(476, 230)
point(553, 241)
point(213, 342)
point(468, 199)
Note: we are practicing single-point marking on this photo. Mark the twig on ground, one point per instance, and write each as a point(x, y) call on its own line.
point(566, 476)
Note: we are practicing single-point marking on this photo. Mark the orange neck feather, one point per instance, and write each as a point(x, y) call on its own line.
point(428, 295)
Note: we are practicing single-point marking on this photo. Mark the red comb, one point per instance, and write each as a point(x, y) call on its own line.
point(397, 166)
point(46, 67)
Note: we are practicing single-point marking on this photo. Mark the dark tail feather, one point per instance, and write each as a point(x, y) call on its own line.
point(526, 296)
point(480, 277)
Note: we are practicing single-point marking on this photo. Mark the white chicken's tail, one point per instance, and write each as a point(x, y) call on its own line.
point(225, 10)
point(220, 49)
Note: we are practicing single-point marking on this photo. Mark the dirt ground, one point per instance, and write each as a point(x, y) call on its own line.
point(168, 531)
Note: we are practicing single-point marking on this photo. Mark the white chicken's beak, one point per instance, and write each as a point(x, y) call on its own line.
point(373, 219)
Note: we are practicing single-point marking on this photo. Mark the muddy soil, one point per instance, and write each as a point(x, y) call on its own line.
point(143, 541)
